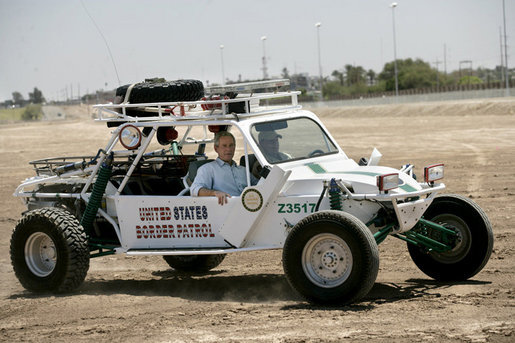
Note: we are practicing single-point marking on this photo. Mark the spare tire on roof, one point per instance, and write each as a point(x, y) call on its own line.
point(162, 91)
point(157, 90)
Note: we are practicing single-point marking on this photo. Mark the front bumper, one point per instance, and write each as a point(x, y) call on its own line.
point(409, 207)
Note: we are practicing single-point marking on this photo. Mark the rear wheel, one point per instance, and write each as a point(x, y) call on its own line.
point(194, 263)
point(331, 257)
point(473, 245)
point(49, 251)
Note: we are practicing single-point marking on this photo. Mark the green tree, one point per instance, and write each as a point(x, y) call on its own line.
point(411, 74)
point(36, 97)
point(354, 75)
point(32, 112)
point(285, 74)
point(469, 80)
point(371, 76)
point(18, 99)
point(333, 89)
point(338, 75)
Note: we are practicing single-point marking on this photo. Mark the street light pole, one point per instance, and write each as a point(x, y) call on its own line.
point(265, 70)
point(317, 25)
point(222, 60)
point(507, 91)
point(393, 5)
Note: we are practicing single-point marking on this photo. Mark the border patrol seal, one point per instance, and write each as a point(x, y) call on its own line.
point(252, 200)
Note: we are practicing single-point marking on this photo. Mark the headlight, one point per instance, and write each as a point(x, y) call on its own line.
point(433, 172)
point(130, 137)
point(387, 181)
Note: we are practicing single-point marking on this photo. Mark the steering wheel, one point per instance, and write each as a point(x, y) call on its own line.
point(315, 152)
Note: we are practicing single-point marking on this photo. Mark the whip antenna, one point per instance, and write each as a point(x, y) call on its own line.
point(105, 41)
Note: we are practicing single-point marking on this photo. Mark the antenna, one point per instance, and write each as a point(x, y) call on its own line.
point(105, 41)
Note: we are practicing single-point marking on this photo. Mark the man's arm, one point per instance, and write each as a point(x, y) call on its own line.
point(203, 183)
point(222, 196)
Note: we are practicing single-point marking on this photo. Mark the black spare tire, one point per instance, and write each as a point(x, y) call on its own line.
point(167, 91)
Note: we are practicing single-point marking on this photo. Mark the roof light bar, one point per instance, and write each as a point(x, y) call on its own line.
point(247, 86)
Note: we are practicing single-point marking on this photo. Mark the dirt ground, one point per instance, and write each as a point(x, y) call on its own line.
point(247, 298)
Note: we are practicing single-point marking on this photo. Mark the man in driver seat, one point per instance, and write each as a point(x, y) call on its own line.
point(269, 143)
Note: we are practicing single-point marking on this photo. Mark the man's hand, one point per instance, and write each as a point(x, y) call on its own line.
point(222, 196)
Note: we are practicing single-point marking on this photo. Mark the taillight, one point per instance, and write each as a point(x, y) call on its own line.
point(166, 135)
point(387, 181)
point(433, 172)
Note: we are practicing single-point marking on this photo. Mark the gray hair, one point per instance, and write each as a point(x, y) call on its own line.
point(223, 134)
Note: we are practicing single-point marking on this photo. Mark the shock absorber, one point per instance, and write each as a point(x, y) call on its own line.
point(104, 173)
point(335, 196)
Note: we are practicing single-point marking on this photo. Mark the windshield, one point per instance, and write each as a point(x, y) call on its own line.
point(291, 139)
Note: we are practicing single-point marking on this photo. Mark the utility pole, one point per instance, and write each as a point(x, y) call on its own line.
point(317, 25)
point(222, 61)
point(436, 63)
point(265, 69)
point(393, 5)
point(507, 92)
point(502, 55)
point(445, 59)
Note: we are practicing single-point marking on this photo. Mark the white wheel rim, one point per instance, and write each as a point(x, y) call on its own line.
point(327, 260)
point(40, 254)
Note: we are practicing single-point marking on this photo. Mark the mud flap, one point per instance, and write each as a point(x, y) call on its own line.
point(246, 215)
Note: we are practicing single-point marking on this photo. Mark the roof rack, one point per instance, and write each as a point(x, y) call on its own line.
point(242, 106)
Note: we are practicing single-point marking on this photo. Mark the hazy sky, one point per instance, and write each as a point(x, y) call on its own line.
point(54, 45)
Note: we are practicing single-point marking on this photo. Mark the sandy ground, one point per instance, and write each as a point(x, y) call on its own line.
point(247, 298)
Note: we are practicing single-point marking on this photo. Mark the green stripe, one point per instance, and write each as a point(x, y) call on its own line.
point(317, 168)
point(360, 173)
point(408, 188)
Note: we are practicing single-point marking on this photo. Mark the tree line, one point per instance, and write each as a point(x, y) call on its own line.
point(35, 97)
point(411, 74)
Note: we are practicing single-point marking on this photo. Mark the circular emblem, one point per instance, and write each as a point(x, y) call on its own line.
point(252, 200)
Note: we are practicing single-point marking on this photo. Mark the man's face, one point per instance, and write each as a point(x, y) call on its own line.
point(225, 149)
point(270, 146)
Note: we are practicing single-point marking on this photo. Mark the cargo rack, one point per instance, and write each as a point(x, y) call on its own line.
point(215, 105)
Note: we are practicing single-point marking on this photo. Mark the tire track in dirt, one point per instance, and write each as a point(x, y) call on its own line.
point(474, 184)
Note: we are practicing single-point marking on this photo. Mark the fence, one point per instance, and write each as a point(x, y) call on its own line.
point(415, 96)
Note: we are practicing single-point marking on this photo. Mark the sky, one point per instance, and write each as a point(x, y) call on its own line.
point(55, 46)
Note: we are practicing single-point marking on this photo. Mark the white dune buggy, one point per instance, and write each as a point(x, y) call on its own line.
point(327, 212)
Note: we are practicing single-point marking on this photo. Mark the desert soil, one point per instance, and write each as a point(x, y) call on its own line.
point(247, 298)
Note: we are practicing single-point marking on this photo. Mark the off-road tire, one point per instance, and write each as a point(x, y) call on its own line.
point(475, 240)
point(49, 251)
point(194, 263)
point(169, 91)
point(330, 257)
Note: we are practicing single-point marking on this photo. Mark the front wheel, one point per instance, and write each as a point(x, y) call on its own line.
point(49, 251)
point(472, 247)
point(331, 257)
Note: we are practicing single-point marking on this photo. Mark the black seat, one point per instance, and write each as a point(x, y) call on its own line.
point(193, 169)
point(252, 160)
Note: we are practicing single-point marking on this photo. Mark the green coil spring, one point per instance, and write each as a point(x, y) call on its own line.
point(95, 199)
point(335, 196)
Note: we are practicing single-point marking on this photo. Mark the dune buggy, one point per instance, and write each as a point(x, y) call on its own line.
point(327, 212)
